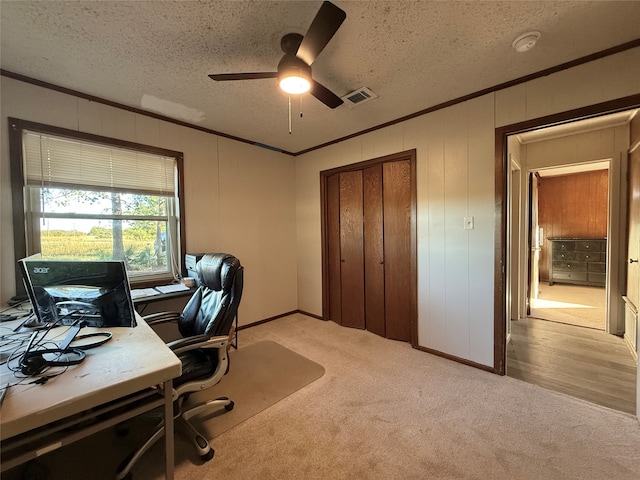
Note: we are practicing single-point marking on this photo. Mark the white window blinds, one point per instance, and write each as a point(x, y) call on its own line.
point(52, 161)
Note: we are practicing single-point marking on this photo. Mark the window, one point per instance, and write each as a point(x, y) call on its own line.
point(85, 197)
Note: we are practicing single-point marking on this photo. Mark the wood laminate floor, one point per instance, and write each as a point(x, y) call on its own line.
point(579, 305)
point(582, 362)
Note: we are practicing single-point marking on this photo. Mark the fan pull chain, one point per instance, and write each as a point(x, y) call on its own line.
point(289, 114)
point(300, 105)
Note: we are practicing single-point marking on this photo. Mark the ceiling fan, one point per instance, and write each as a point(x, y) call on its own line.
point(294, 69)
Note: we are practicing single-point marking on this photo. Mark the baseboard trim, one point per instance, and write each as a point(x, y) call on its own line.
point(312, 315)
point(270, 319)
point(464, 361)
point(454, 358)
point(629, 344)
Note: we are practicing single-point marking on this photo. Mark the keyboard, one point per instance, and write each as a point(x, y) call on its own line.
point(175, 287)
point(143, 292)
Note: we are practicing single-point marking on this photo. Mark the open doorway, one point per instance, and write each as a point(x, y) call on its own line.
point(565, 291)
point(569, 210)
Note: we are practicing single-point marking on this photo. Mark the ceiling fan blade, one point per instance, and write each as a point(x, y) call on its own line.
point(219, 77)
point(322, 29)
point(325, 95)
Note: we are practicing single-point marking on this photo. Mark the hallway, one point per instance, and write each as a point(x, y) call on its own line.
point(581, 362)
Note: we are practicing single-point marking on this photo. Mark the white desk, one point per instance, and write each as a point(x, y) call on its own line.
point(134, 360)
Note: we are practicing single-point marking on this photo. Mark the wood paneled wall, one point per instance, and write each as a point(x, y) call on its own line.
point(571, 206)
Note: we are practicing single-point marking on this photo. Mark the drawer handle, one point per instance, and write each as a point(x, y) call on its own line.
point(631, 260)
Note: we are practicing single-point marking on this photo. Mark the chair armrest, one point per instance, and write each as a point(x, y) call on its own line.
point(218, 343)
point(198, 341)
point(188, 343)
point(161, 317)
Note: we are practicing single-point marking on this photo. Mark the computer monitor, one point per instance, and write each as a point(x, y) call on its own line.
point(67, 291)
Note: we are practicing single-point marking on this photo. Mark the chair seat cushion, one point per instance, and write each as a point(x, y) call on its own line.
point(196, 364)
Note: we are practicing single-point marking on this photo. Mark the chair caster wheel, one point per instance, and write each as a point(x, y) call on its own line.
point(207, 456)
point(229, 407)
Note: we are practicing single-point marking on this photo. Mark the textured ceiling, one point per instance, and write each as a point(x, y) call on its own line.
point(156, 55)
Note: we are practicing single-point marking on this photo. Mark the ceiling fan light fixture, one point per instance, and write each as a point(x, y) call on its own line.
point(295, 85)
point(295, 80)
point(300, 51)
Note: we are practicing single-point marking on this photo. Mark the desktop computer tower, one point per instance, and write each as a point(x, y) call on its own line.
point(190, 260)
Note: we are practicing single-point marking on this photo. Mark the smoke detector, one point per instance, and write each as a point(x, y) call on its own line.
point(525, 42)
point(358, 96)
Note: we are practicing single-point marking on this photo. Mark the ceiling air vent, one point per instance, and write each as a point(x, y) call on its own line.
point(358, 97)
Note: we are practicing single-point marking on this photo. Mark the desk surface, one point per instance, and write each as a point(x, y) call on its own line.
point(163, 296)
point(134, 359)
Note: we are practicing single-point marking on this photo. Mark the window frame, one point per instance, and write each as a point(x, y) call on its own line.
point(16, 159)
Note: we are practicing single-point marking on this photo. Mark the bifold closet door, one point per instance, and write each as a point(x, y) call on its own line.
point(368, 234)
point(351, 249)
point(374, 251)
point(333, 248)
point(397, 249)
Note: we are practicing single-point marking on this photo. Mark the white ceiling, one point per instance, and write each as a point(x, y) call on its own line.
point(156, 55)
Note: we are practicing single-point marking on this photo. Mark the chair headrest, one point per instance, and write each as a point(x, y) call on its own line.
point(216, 270)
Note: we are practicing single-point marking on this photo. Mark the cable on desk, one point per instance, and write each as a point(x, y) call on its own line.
point(29, 363)
point(14, 315)
point(38, 347)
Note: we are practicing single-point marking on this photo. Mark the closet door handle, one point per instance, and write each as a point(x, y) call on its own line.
point(631, 260)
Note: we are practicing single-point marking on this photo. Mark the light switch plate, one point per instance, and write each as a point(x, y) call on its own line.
point(468, 223)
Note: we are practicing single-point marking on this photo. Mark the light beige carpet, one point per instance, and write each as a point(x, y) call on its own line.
point(384, 410)
point(579, 305)
point(261, 374)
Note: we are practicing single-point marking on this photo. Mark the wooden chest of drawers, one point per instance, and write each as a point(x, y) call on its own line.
point(581, 261)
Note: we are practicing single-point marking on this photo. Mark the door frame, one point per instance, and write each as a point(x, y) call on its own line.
point(502, 170)
point(614, 258)
point(532, 246)
point(409, 155)
point(514, 220)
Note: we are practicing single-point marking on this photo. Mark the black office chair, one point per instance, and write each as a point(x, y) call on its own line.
point(205, 325)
